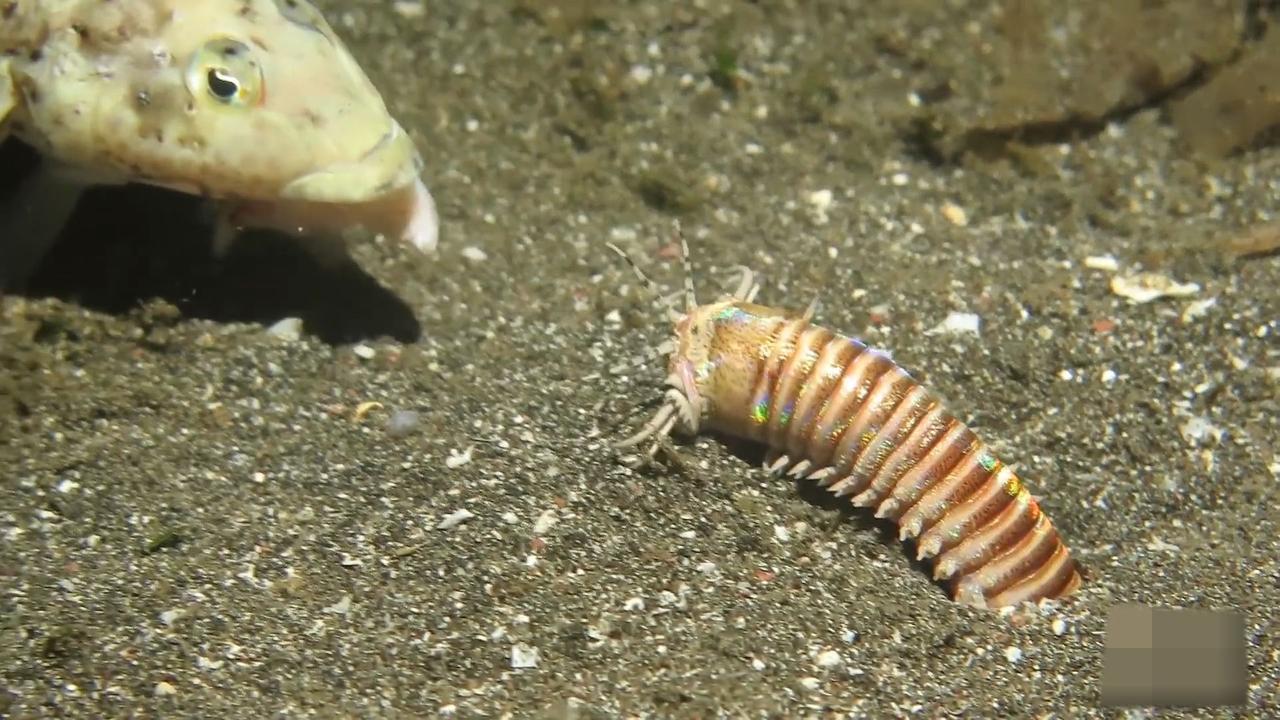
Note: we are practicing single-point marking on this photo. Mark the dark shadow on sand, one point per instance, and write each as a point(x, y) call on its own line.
point(860, 519)
point(127, 245)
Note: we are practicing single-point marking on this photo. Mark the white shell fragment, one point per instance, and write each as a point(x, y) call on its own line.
point(1144, 287)
point(409, 8)
point(454, 519)
point(458, 459)
point(819, 203)
point(288, 329)
point(1102, 262)
point(1197, 430)
point(1197, 309)
point(957, 323)
point(342, 607)
point(524, 656)
point(544, 522)
point(828, 659)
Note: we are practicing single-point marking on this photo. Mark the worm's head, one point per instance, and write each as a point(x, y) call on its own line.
point(718, 356)
point(689, 361)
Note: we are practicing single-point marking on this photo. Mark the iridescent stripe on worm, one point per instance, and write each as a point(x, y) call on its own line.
point(831, 409)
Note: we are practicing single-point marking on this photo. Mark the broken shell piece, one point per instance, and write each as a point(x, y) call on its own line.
point(454, 519)
point(457, 459)
point(363, 409)
point(1147, 286)
point(288, 329)
point(524, 656)
point(1102, 262)
point(957, 323)
point(1197, 309)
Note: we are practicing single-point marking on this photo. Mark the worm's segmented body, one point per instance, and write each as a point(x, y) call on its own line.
point(832, 409)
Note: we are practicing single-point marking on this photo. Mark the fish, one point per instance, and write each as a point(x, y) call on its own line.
point(256, 105)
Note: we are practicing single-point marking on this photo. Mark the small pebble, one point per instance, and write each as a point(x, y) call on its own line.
point(1059, 626)
point(1102, 262)
point(164, 689)
point(364, 352)
point(409, 8)
point(474, 254)
point(954, 214)
point(1013, 654)
point(828, 659)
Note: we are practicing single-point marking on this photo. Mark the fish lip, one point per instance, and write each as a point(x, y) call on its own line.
point(392, 162)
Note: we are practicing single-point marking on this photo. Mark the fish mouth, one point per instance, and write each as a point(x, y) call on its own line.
point(393, 162)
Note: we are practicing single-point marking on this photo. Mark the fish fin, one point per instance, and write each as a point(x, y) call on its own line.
point(8, 96)
point(225, 231)
point(422, 230)
point(31, 219)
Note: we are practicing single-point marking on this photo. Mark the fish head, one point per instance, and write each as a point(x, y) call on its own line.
point(279, 104)
point(252, 101)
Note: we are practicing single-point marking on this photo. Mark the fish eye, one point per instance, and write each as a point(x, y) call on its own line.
point(224, 69)
point(222, 84)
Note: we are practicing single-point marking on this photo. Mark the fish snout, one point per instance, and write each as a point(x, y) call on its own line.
point(392, 163)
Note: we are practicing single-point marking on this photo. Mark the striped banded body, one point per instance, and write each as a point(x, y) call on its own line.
point(831, 409)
